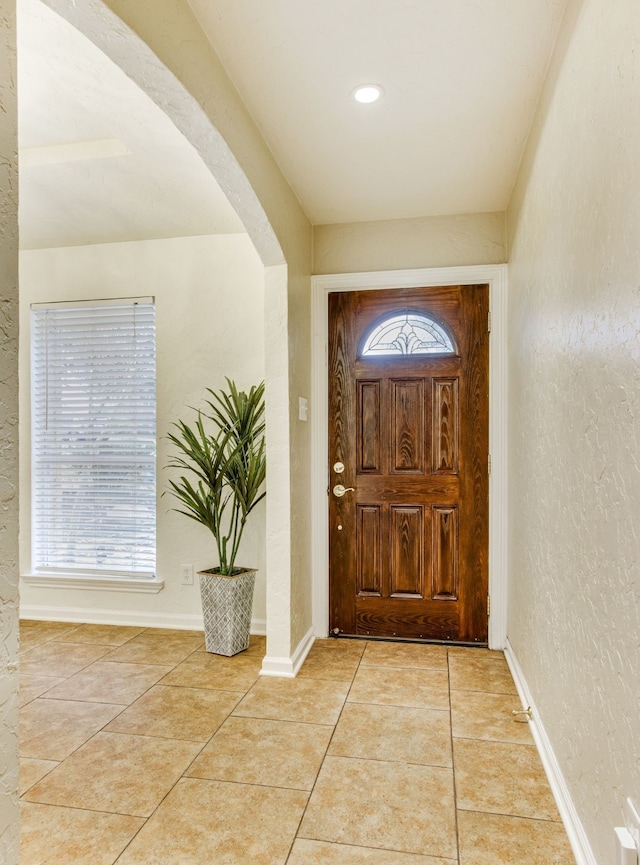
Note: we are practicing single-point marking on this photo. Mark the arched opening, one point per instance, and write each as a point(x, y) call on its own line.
point(131, 54)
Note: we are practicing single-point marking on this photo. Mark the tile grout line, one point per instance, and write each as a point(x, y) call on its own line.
point(148, 817)
point(182, 776)
point(304, 811)
point(453, 763)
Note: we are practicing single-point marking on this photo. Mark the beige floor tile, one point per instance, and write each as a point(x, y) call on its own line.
point(204, 670)
point(66, 836)
point(409, 735)
point(344, 646)
point(417, 655)
point(502, 778)
point(33, 633)
point(309, 701)
point(32, 637)
point(480, 651)
point(321, 853)
point(323, 663)
point(473, 672)
point(106, 682)
point(395, 806)
point(60, 659)
point(117, 773)
point(392, 686)
point(33, 686)
point(104, 635)
point(152, 649)
point(32, 771)
point(490, 839)
point(204, 822)
point(257, 646)
point(476, 715)
point(272, 753)
point(39, 624)
point(53, 729)
point(176, 713)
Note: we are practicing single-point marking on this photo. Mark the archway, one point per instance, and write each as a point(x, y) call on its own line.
point(118, 29)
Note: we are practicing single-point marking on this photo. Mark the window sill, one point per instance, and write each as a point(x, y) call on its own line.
point(100, 584)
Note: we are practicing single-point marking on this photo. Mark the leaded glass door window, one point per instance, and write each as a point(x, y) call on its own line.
point(407, 333)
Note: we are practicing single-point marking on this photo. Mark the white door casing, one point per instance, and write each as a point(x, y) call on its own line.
point(321, 286)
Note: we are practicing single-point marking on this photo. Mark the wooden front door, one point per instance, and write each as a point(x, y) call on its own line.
point(408, 444)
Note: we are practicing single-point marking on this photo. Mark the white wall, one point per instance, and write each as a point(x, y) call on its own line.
point(574, 616)
point(210, 321)
point(8, 440)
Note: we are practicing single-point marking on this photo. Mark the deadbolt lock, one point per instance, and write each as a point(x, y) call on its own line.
point(338, 468)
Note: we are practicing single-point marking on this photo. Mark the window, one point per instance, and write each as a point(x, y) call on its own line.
point(94, 438)
point(408, 333)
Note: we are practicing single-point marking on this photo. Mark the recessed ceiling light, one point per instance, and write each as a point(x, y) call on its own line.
point(367, 93)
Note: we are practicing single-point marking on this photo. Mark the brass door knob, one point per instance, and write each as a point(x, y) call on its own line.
point(339, 490)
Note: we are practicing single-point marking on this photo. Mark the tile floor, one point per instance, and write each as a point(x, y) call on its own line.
point(140, 748)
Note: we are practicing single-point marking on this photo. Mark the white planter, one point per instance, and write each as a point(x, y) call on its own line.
point(226, 610)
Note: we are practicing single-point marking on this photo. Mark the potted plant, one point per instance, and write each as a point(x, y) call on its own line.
point(223, 453)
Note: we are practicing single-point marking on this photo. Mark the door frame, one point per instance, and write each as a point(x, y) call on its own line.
point(321, 286)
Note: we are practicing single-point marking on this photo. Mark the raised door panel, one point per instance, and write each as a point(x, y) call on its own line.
point(369, 551)
point(445, 551)
point(369, 446)
point(407, 531)
point(407, 427)
point(445, 435)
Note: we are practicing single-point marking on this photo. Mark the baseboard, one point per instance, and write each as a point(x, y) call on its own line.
point(135, 618)
point(575, 831)
point(287, 668)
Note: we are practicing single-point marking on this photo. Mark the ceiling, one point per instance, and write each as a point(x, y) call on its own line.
point(461, 79)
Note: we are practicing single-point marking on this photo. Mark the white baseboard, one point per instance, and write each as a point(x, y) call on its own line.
point(287, 668)
point(575, 831)
point(139, 619)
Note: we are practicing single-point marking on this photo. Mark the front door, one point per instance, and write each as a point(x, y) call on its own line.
point(408, 463)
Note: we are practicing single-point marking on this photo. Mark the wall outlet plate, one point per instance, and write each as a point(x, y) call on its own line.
point(632, 821)
point(186, 575)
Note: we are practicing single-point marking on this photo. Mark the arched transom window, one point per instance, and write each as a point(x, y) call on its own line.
point(407, 333)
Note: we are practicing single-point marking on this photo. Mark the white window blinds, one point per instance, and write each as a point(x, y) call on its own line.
point(94, 438)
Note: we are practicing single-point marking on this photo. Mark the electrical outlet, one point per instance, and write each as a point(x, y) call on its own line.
point(186, 575)
point(632, 821)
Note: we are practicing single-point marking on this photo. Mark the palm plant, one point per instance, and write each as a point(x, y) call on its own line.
point(226, 466)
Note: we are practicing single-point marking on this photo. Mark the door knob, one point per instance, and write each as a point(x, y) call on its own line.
point(339, 490)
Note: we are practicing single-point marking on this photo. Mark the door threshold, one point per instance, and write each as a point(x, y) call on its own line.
point(461, 643)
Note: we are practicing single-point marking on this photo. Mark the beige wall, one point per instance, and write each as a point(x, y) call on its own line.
point(8, 440)
point(432, 241)
point(574, 614)
point(209, 295)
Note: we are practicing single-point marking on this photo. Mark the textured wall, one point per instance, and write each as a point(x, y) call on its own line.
point(433, 241)
point(575, 416)
point(8, 440)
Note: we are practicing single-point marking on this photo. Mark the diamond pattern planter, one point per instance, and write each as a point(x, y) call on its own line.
point(226, 609)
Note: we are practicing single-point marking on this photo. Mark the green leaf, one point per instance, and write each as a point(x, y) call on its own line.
point(224, 450)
